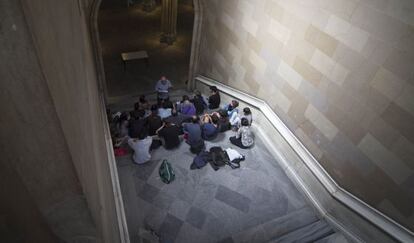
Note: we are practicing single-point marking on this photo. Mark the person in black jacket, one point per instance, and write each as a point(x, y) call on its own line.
point(199, 102)
point(138, 125)
point(154, 120)
point(214, 99)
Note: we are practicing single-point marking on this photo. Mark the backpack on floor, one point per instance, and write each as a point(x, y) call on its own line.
point(219, 157)
point(200, 160)
point(166, 172)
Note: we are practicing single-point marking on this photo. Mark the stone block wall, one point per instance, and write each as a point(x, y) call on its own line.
point(339, 73)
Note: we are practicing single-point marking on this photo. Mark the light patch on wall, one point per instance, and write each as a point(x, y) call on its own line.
point(324, 64)
point(245, 7)
point(250, 26)
point(289, 75)
point(220, 59)
point(280, 32)
point(406, 100)
point(387, 83)
point(328, 129)
point(384, 159)
point(348, 34)
point(281, 100)
point(258, 63)
point(236, 53)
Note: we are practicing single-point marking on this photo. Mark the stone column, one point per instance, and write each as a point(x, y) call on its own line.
point(169, 21)
point(148, 5)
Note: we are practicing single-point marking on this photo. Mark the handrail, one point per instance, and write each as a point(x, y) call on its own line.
point(373, 215)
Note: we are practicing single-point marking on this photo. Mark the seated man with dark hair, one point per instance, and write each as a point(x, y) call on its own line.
point(214, 99)
point(154, 120)
point(178, 119)
point(193, 133)
point(170, 133)
point(199, 102)
point(138, 124)
point(141, 147)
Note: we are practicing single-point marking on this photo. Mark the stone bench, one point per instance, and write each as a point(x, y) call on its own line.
point(135, 55)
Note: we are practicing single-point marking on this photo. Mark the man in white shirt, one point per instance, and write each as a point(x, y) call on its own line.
point(162, 87)
point(141, 147)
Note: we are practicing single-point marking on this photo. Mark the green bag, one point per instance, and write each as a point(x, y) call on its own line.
point(166, 172)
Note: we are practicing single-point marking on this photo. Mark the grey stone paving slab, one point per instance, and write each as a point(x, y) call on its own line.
point(169, 229)
point(215, 227)
point(153, 218)
point(179, 209)
point(163, 201)
point(188, 233)
point(144, 171)
point(196, 217)
point(233, 198)
point(227, 240)
point(148, 193)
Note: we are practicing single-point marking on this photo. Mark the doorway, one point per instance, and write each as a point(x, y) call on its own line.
point(118, 28)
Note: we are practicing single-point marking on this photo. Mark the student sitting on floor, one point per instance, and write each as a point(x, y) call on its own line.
point(235, 118)
point(208, 127)
point(192, 132)
point(214, 99)
point(199, 102)
point(169, 132)
point(165, 109)
point(231, 108)
point(223, 123)
point(178, 119)
point(137, 124)
point(186, 107)
point(154, 120)
point(143, 103)
point(141, 147)
point(244, 137)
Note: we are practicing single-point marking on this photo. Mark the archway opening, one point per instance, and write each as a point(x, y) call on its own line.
point(129, 26)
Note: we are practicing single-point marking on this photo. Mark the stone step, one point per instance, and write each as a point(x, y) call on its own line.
point(309, 233)
point(277, 227)
point(333, 238)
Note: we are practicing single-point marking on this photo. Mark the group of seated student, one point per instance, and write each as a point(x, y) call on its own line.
point(167, 121)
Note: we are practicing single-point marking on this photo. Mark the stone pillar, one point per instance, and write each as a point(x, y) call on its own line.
point(169, 21)
point(148, 5)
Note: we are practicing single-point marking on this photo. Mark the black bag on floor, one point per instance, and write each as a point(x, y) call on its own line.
point(219, 157)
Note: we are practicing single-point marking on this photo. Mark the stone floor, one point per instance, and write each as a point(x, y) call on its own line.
point(123, 29)
point(256, 203)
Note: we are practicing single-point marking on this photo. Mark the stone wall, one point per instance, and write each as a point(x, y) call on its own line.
point(339, 73)
point(62, 41)
point(36, 162)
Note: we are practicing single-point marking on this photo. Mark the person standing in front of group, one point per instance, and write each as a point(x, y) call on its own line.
point(162, 87)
